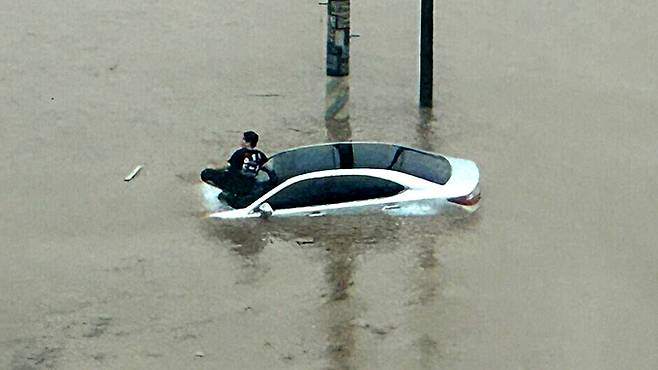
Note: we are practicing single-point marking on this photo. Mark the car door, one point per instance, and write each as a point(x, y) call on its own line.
point(302, 198)
point(338, 194)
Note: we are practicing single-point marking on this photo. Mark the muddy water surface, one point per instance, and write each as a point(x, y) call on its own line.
point(554, 101)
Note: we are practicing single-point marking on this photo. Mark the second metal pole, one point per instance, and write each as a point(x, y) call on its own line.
point(426, 51)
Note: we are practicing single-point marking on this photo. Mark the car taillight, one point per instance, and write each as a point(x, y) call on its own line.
point(468, 200)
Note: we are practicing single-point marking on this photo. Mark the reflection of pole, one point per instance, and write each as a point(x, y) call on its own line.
point(337, 120)
point(428, 279)
point(337, 114)
point(424, 129)
point(339, 272)
point(249, 243)
point(428, 283)
point(338, 37)
point(426, 51)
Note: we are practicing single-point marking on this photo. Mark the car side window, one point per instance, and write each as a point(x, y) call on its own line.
point(332, 190)
point(305, 193)
point(356, 187)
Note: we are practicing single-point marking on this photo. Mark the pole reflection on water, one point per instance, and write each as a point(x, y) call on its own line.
point(339, 273)
point(249, 240)
point(344, 240)
point(428, 277)
point(340, 257)
point(424, 129)
point(339, 241)
point(433, 234)
point(337, 113)
point(424, 315)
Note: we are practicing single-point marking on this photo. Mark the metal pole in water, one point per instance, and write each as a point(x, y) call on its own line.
point(338, 38)
point(426, 51)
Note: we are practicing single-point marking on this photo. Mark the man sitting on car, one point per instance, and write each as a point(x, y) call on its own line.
point(240, 176)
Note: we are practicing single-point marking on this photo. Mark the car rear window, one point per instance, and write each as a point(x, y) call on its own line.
point(434, 168)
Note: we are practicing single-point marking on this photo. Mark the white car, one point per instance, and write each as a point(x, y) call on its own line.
point(358, 177)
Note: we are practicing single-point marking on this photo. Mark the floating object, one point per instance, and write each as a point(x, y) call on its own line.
point(265, 95)
point(303, 241)
point(199, 354)
point(133, 173)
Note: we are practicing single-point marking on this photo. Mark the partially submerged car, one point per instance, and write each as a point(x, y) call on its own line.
point(358, 177)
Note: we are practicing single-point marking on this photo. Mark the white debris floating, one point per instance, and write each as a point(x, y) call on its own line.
point(133, 173)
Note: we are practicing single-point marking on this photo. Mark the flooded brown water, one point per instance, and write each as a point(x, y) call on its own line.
point(555, 101)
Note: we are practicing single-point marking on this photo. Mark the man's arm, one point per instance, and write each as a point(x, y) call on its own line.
point(263, 158)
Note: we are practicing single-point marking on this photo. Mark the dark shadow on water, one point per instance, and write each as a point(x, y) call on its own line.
point(340, 311)
point(338, 130)
point(428, 348)
point(427, 281)
point(251, 236)
point(346, 235)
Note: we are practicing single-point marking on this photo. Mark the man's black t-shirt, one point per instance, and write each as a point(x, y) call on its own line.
point(243, 157)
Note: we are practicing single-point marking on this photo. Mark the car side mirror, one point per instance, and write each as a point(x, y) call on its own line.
point(265, 210)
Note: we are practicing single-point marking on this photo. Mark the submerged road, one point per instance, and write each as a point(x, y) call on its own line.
point(555, 101)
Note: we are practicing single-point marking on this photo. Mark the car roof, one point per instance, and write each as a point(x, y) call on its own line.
point(344, 155)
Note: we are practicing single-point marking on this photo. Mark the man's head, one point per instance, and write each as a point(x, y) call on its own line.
point(249, 139)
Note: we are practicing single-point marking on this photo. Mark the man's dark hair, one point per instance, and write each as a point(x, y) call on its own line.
point(251, 137)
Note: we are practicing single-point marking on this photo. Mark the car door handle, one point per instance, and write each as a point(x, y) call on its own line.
point(316, 214)
point(389, 207)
